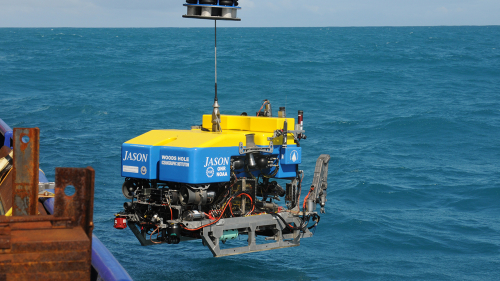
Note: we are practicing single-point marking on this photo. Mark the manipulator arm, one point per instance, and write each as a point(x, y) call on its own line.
point(320, 183)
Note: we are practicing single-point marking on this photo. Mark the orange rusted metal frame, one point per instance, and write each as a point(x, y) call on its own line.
point(46, 247)
point(79, 206)
point(25, 171)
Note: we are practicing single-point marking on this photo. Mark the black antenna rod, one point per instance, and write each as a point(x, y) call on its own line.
point(216, 113)
point(215, 60)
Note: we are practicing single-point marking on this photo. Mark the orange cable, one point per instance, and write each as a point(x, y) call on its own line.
point(307, 196)
point(208, 224)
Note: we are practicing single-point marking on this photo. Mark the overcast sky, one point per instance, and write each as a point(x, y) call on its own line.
point(254, 13)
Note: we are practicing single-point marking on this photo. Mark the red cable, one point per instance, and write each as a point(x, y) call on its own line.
point(157, 228)
point(307, 196)
point(171, 216)
point(224, 210)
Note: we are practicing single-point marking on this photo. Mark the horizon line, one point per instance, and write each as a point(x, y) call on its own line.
point(347, 26)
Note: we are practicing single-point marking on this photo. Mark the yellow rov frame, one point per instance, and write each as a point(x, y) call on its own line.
point(234, 129)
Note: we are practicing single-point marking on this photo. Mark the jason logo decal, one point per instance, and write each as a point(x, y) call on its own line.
point(219, 163)
point(140, 157)
point(216, 161)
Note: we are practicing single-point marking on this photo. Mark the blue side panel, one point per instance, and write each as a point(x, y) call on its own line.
point(196, 165)
point(287, 171)
point(290, 157)
point(140, 161)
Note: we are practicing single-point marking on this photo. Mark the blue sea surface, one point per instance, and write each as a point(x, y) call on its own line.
point(409, 115)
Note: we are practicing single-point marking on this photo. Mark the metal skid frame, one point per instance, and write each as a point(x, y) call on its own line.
point(249, 225)
point(211, 235)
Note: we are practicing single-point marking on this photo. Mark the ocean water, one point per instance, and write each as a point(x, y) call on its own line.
point(409, 115)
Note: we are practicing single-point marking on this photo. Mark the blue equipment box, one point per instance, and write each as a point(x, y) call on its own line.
point(196, 165)
point(140, 161)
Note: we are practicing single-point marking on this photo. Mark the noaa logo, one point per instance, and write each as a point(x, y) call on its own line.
point(144, 170)
point(210, 172)
point(294, 156)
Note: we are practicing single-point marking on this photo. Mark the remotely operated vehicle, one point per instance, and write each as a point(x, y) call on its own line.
point(222, 180)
